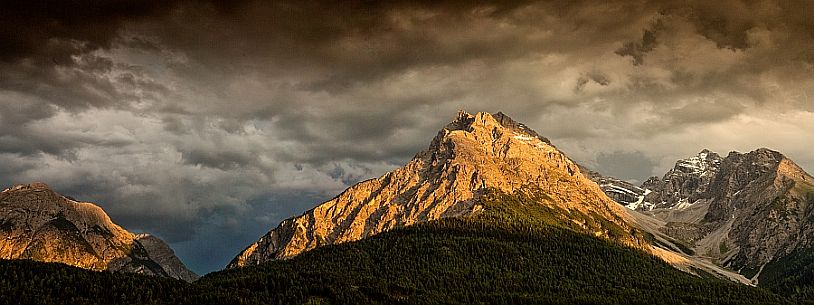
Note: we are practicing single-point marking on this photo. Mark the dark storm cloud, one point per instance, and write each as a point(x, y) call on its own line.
point(192, 119)
point(55, 30)
point(729, 23)
point(354, 42)
point(637, 49)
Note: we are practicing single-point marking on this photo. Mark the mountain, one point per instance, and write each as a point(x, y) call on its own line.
point(471, 154)
point(39, 224)
point(744, 209)
point(679, 187)
point(748, 212)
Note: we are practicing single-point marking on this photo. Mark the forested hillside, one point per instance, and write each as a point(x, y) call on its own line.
point(516, 251)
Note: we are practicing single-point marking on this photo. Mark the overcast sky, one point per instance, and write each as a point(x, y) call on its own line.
point(207, 123)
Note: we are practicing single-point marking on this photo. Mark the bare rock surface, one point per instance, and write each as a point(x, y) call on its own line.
point(39, 224)
point(741, 211)
point(472, 153)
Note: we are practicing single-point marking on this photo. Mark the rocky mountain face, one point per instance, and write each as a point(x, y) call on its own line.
point(39, 224)
point(471, 154)
point(679, 187)
point(685, 183)
point(742, 211)
point(760, 208)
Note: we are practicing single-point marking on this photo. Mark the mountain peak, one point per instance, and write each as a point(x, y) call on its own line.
point(705, 162)
point(471, 154)
point(684, 183)
point(487, 121)
point(40, 224)
point(773, 161)
point(760, 160)
point(738, 200)
point(768, 153)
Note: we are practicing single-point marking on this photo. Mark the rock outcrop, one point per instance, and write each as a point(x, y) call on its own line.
point(760, 206)
point(471, 154)
point(37, 223)
point(685, 183)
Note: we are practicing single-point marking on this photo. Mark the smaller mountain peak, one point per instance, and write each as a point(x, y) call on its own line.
point(759, 155)
point(760, 151)
point(768, 152)
point(66, 239)
point(775, 160)
point(766, 160)
point(703, 163)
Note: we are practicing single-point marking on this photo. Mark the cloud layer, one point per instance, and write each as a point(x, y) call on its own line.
point(207, 123)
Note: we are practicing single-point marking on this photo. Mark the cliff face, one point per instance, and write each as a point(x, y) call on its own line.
point(763, 202)
point(39, 224)
point(742, 211)
point(685, 183)
point(470, 154)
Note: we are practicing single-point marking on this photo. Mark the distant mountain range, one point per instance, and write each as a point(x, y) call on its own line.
point(490, 212)
point(743, 211)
